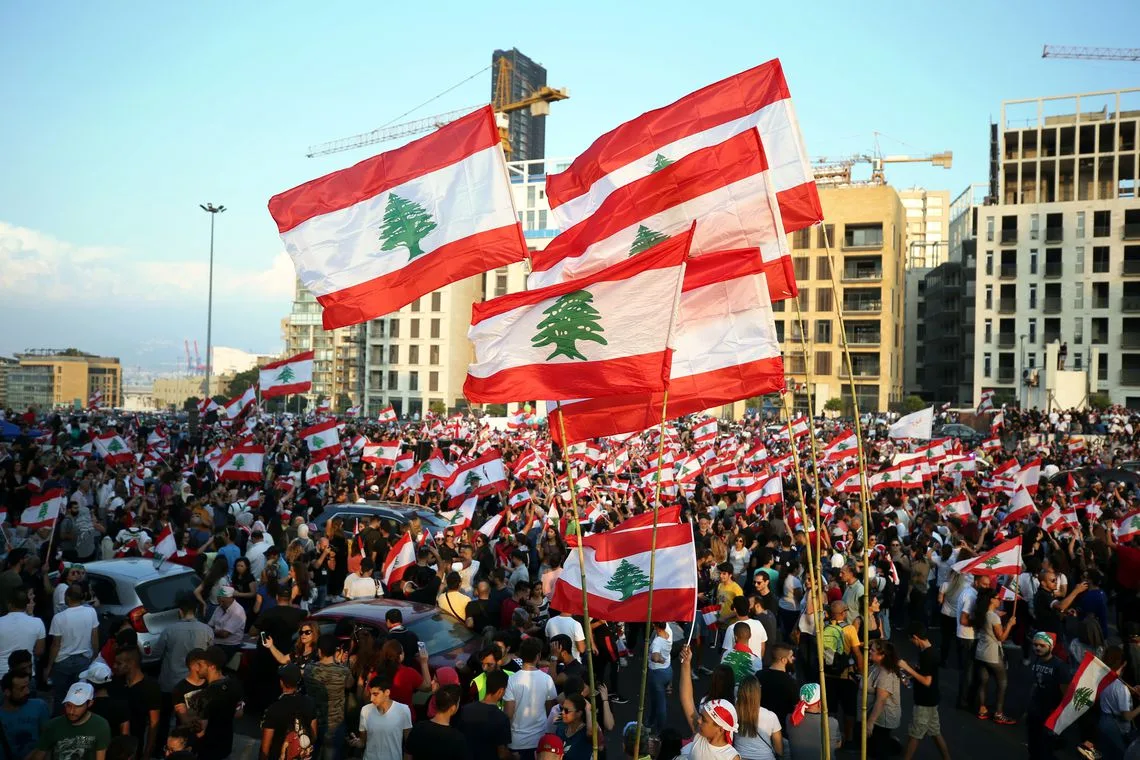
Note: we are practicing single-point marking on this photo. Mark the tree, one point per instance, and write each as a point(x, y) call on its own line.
point(627, 579)
point(244, 380)
point(568, 320)
point(913, 403)
point(437, 407)
point(343, 402)
point(495, 410)
point(646, 239)
point(190, 404)
point(1099, 401)
point(472, 480)
point(659, 163)
point(740, 662)
point(406, 223)
point(833, 405)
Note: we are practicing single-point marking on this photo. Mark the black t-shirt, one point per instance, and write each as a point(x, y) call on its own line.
point(447, 554)
point(927, 696)
point(112, 709)
point(1045, 615)
point(572, 669)
point(1049, 681)
point(141, 698)
point(291, 717)
point(479, 610)
point(338, 564)
point(409, 641)
point(429, 740)
point(219, 705)
point(192, 695)
point(485, 727)
point(371, 538)
point(779, 692)
point(498, 596)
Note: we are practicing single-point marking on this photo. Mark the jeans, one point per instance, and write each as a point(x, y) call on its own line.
point(984, 669)
point(966, 649)
point(655, 715)
point(1112, 743)
point(64, 673)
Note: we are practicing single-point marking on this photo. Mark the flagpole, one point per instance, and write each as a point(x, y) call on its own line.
point(816, 596)
point(863, 489)
point(652, 568)
point(585, 595)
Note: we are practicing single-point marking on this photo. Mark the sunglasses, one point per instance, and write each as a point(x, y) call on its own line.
point(306, 633)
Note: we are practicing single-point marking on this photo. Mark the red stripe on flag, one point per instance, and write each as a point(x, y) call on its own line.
point(301, 357)
point(800, 207)
point(285, 390)
point(709, 268)
point(616, 545)
point(449, 263)
point(447, 145)
point(626, 374)
point(781, 278)
point(669, 604)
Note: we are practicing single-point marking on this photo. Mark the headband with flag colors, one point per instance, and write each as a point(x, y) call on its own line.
point(292, 375)
point(1092, 678)
point(725, 349)
point(604, 335)
point(372, 238)
point(757, 98)
point(809, 696)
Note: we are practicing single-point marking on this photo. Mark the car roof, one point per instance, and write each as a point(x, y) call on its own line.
point(137, 569)
point(374, 610)
point(392, 509)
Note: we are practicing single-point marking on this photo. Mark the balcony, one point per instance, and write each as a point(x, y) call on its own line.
point(1009, 236)
point(1131, 231)
point(1007, 272)
point(1051, 305)
point(862, 274)
point(866, 306)
point(1100, 302)
point(1050, 337)
point(1130, 268)
point(860, 372)
point(863, 339)
point(1006, 305)
point(1101, 230)
point(1130, 304)
point(1130, 377)
point(1130, 341)
point(1053, 269)
point(1054, 234)
point(1005, 374)
point(1006, 340)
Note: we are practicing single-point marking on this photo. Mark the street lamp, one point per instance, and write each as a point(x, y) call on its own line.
point(1022, 388)
point(213, 211)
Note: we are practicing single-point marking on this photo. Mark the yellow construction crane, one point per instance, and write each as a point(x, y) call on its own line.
point(1091, 53)
point(538, 102)
point(837, 171)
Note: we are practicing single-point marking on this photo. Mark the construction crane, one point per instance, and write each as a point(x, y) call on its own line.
point(538, 102)
point(837, 171)
point(1091, 53)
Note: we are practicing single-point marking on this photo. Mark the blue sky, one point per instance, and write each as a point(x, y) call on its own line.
point(118, 119)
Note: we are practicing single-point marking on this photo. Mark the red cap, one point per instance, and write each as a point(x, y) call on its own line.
point(550, 743)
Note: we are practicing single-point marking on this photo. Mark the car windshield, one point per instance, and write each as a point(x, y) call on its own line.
point(433, 521)
point(162, 594)
point(440, 633)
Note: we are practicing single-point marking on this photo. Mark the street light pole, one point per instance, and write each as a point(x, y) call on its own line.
point(213, 211)
point(1020, 379)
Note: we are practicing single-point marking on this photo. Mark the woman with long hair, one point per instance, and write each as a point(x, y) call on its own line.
point(573, 729)
point(364, 661)
point(304, 592)
point(722, 684)
point(660, 675)
point(759, 737)
point(216, 576)
point(406, 681)
point(886, 689)
point(245, 586)
point(948, 594)
point(304, 652)
point(991, 634)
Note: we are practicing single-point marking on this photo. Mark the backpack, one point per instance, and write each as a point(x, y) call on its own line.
point(836, 658)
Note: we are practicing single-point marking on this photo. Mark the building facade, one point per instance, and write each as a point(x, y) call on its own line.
point(49, 378)
point(1059, 250)
point(6, 364)
point(336, 353)
point(527, 131)
point(927, 242)
point(865, 228)
point(169, 392)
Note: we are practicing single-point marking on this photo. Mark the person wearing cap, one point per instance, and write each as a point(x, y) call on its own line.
point(550, 747)
point(291, 720)
point(78, 734)
point(713, 725)
point(228, 620)
point(113, 709)
point(1050, 680)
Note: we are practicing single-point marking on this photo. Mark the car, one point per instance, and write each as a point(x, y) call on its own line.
point(449, 643)
point(142, 591)
point(959, 431)
point(394, 514)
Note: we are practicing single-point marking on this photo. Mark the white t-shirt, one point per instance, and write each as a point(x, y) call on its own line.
point(663, 647)
point(759, 747)
point(966, 601)
point(385, 739)
point(755, 642)
point(530, 690)
point(19, 630)
point(356, 587)
point(74, 626)
point(58, 600)
point(571, 628)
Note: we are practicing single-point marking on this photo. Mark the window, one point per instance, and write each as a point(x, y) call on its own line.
point(989, 331)
point(414, 327)
point(1102, 221)
point(805, 299)
point(989, 238)
point(1079, 296)
point(1100, 259)
point(863, 235)
point(822, 268)
point(1032, 357)
point(433, 355)
point(393, 354)
point(1032, 331)
point(500, 282)
point(416, 305)
point(826, 236)
point(376, 380)
point(413, 354)
point(1080, 256)
point(779, 329)
point(990, 263)
point(801, 265)
point(1078, 331)
point(393, 380)
point(1033, 296)
point(1078, 360)
point(1034, 226)
point(1032, 261)
point(413, 381)
point(378, 326)
point(436, 301)
point(1080, 224)
point(393, 328)
point(987, 365)
point(823, 299)
point(802, 238)
point(433, 381)
point(989, 296)
point(823, 362)
point(435, 328)
point(823, 331)
point(778, 306)
point(1102, 367)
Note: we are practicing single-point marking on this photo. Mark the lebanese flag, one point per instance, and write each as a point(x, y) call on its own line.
point(758, 98)
point(207, 405)
point(383, 453)
point(705, 433)
point(480, 476)
point(888, 478)
point(405, 462)
point(767, 491)
point(490, 527)
point(988, 512)
point(518, 499)
point(376, 236)
point(997, 422)
point(725, 189)
point(1092, 677)
point(113, 449)
point(959, 465)
point(352, 411)
point(840, 447)
point(235, 407)
point(1003, 559)
point(43, 509)
point(324, 406)
point(617, 575)
point(323, 439)
point(400, 557)
point(435, 468)
point(285, 376)
point(725, 349)
point(848, 482)
point(164, 545)
point(993, 443)
point(1128, 527)
point(95, 400)
point(1020, 506)
point(665, 516)
point(1030, 475)
point(958, 507)
point(800, 428)
point(985, 401)
point(1053, 520)
point(243, 463)
point(317, 472)
point(603, 335)
point(387, 414)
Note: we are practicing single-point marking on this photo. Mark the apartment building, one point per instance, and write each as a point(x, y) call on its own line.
point(1059, 250)
point(48, 377)
point(336, 353)
point(927, 241)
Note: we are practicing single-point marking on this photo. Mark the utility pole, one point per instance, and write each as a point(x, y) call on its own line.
point(213, 211)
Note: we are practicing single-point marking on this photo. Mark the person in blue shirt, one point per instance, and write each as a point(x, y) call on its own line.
point(227, 549)
point(22, 717)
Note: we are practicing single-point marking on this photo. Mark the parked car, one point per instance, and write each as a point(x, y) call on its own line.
point(393, 513)
point(964, 433)
point(141, 591)
point(448, 641)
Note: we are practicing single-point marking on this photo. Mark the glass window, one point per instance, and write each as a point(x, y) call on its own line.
point(435, 328)
point(1080, 224)
point(416, 305)
point(1032, 331)
point(989, 331)
point(1080, 257)
point(863, 235)
point(987, 365)
point(823, 330)
point(1078, 331)
point(393, 328)
point(822, 268)
point(823, 299)
point(1033, 296)
point(413, 354)
point(393, 380)
point(1079, 296)
point(989, 296)
point(413, 381)
point(1033, 261)
point(414, 328)
point(393, 354)
point(436, 301)
point(989, 234)
point(433, 354)
point(989, 263)
point(433, 381)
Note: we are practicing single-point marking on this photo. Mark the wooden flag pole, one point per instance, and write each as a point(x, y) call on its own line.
point(589, 631)
point(652, 569)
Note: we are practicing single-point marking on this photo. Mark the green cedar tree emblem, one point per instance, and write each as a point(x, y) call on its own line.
point(43, 512)
point(406, 223)
point(646, 239)
point(114, 445)
point(659, 163)
point(425, 468)
point(318, 442)
point(315, 469)
point(991, 562)
point(285, 375)
point(239, 462)
point(472, 480)
point(1134, 523)
point(1083, 698)
point(568, 320)
point(627, 580)
point(741, 664)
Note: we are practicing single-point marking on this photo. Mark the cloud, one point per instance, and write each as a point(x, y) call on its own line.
point(36, 268)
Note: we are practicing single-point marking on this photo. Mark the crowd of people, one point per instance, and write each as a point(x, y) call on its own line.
point(799, 594)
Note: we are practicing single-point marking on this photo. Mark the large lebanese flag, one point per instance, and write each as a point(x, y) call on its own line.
point(725, 349)
point(723, 188)
point(479, 476)
point(617, 575)
point(1092, 677)
point(383, 453)
point(113, 449)
point(285, 376)
point(603, 335)
point(1003, 559)
point(244, 463)
point(43, 509)
point(323, 439)
point(400, 557)
point(239, 404)
point(757, 98)
point(374, 237)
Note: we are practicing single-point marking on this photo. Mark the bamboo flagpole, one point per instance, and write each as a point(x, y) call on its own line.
point(812, 400)
point(585, 595)
point(652, 569)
